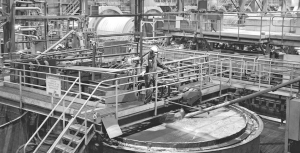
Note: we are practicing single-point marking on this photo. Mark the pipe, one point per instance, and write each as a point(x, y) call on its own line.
point(33, 36)
point(26, 8)
point(243, 98)
point(63, 38)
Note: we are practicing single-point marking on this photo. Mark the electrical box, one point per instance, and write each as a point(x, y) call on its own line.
point(294, 119)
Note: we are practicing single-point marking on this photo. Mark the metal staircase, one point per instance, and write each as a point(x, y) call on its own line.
point(72, 8)
point(75, 135)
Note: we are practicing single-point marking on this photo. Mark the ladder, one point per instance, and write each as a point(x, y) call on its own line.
point(72, 8)
point(75, 135)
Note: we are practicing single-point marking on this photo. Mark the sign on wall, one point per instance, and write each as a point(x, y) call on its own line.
point(53, 85)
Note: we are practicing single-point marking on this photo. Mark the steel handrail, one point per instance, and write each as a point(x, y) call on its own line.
point(53, 126)
point(50, 114)
point(73, 118)
point(282, 25)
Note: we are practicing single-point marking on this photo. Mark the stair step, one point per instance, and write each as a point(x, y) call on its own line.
point(72, 138)
point(77, 127)
point(64, 147)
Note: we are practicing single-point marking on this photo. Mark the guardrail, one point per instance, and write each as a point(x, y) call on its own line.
point(201, 25)
point(197, 71)
point(246, 69)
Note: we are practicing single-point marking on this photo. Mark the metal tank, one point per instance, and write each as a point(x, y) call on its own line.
point(226, 130)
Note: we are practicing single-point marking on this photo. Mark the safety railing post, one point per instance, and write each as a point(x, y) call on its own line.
point(117, 99)
point(201, 77)
point(85, 125)
point(64, 114)
point(194, 63)
point(79, 84)
point(241, 76)
point(156, 94)
point(230, 70)
point(259, 75)
point(221, 71)
point(20, 86)
point(238, 38)
point(220, 30)
point(209, 68)
point(168, 16)
point(282, 30)
point(24, 75)
point(178, 70)
point(270, 71)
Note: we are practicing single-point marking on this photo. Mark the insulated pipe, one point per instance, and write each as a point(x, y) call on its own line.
point(63, 38)
point(243, 98)
point(26, 8)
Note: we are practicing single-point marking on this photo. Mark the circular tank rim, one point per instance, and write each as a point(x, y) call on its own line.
point(14, 120)
point(249, 113)
point(198, 144)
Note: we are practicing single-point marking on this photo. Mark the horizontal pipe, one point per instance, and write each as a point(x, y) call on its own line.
point(243, 98)
point(41, 17)
point(55, 44)
point(119, 34)
point(146, 38)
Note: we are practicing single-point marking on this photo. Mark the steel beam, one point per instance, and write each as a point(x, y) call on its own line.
point(243, 98)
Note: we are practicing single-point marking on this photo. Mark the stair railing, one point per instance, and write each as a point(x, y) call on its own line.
point(73, 119)
point(49, 115)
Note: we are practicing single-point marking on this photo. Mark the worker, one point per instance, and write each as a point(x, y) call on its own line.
point(151, 66)
point(275, 52)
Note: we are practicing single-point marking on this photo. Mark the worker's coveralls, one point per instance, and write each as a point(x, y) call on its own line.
point(151, 66)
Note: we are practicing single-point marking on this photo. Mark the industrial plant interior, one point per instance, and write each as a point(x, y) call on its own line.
point(149, 76)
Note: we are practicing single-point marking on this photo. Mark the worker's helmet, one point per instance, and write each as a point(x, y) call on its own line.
point(154, 49)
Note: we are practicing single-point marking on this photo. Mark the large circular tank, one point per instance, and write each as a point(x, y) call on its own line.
point(225, 130)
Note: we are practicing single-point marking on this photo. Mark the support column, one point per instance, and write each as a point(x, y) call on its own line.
point(140, 18)
point(12, 29)
point(6, 28)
